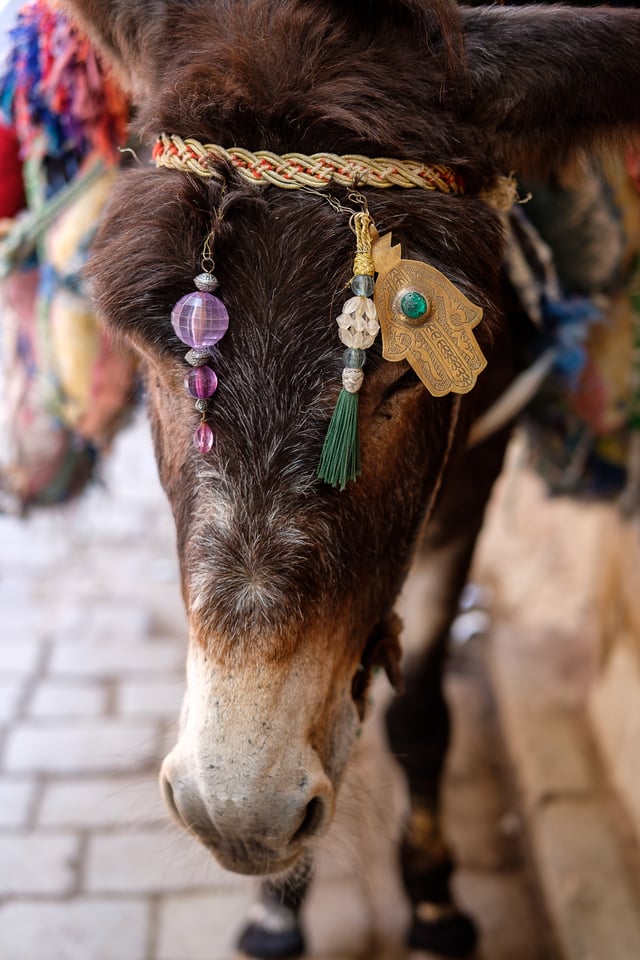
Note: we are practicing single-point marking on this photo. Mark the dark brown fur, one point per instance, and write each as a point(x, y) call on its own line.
point(271, 264)
point(268, 551)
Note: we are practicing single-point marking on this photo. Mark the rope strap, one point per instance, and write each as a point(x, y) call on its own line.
point(293, 171)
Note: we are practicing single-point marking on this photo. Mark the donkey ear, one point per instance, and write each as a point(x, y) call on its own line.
point(544, 82)
point(116, 28)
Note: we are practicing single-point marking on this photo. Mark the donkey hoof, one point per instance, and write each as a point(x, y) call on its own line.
point(256, 942)
point(443, 929)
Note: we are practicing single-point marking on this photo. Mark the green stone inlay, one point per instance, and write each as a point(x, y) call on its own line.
point(414, 305)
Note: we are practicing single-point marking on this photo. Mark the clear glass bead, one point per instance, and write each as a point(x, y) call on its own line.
point(355, 359)
point(362, 285)
point(200, 319)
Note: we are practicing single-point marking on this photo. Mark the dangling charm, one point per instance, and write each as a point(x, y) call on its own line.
point(200, 320)
point(358, 327)
point(426, 320)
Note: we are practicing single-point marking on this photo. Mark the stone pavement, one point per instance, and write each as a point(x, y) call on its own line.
point(92, 639)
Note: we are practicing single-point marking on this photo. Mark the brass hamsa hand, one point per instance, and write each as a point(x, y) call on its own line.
point(426, 320)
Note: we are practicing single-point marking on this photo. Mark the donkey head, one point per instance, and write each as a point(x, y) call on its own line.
point(288, 583)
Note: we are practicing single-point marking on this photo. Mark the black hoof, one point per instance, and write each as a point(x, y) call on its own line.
point(451, 934)
point(264, 945)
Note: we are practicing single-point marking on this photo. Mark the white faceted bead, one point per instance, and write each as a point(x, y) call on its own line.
point(352, 379)
point(348, 337)
point(358, 324)
point(372, 327)
point(361, 306)
point(359, 339)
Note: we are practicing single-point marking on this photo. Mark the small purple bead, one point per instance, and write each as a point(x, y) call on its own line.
point(200, 319)
point(202, 382)
point(203, 438)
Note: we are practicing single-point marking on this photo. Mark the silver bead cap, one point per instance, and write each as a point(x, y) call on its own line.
point(206, 282)
point(197, 358)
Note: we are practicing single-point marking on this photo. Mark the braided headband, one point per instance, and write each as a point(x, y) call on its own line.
point(425, 319)
point(293, 171)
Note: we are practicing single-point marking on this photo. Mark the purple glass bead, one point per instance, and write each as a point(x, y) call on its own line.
point(200, 319)
point(202, 383)
point(203, 438)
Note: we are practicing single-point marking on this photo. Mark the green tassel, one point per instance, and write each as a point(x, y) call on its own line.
point(340, 459)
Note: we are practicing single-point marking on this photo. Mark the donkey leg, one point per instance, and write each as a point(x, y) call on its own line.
point(274, 931)
point(418, 722)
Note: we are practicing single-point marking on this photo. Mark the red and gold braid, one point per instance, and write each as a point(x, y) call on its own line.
point(294, 171)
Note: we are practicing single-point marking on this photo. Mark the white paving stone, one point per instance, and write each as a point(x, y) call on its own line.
point(24, 621)
point(84, 929)
point(161, 698)
point(10, 693)
point(126, 571)
point(103, 802)
point(102, 621)
point(66, 699)
point(80, 746)
point(19, 658)
point(116, 658)
point(38, 863)
point(25, 549)
point(107, 526)
point(15, 800)
point(150, 861)
point(15, 590)
point(202, 927)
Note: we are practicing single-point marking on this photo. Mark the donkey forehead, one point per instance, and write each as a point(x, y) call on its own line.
point(283, 260)
point(284, 263)
point(262, 540)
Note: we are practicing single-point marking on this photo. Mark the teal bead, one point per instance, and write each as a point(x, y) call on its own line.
point(414, 305)
point(362, 285)
point(354, 359)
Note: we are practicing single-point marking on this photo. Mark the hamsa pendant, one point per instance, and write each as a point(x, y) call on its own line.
point(426, 320)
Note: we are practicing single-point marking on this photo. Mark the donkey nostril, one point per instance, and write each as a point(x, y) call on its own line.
point(169, 798)
point(312, 821)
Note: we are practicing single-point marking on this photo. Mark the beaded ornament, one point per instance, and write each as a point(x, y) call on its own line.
point(357, 328)
point(200, 320)
point(425, 320)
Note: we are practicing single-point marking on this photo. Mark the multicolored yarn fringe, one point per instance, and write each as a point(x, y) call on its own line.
point(59, 100)
point(63, 388)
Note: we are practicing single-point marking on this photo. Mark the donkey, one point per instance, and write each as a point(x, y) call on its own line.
point(289, 583)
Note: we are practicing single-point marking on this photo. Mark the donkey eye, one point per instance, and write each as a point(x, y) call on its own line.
point(362, 677)
point(403, 383)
